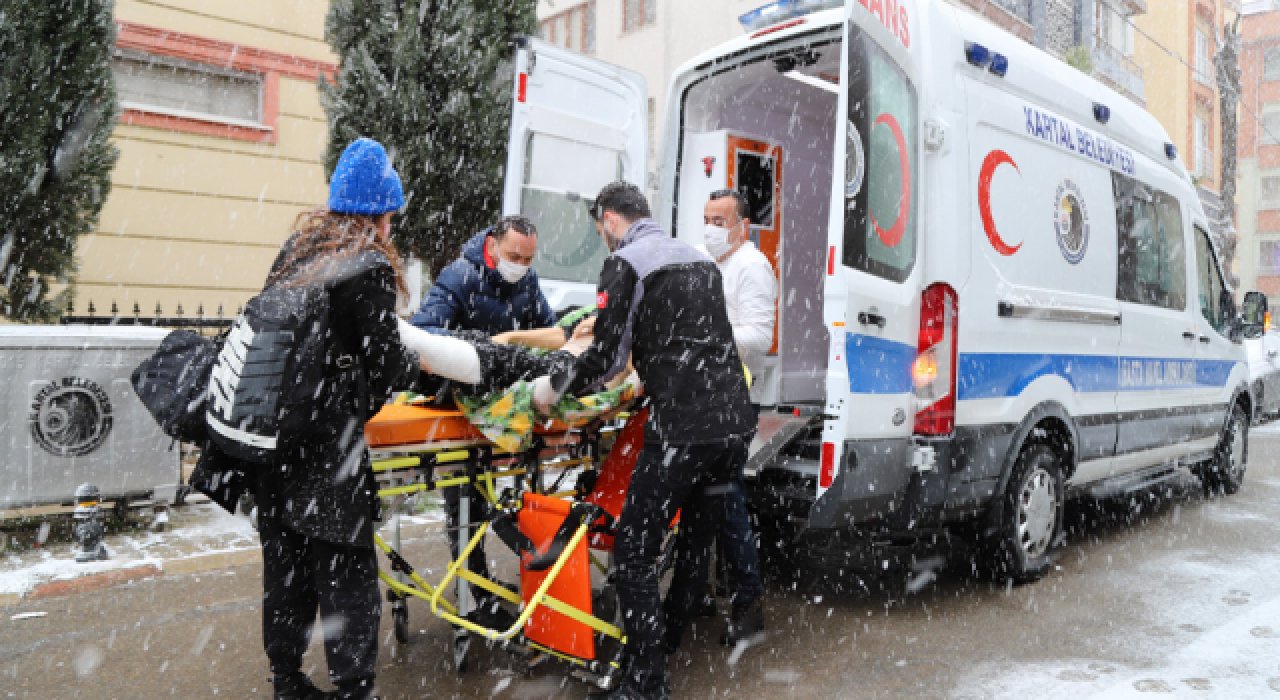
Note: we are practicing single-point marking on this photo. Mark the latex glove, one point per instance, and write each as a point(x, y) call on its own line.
point(543, 395)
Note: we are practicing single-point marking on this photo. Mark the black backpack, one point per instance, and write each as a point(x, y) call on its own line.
point(174, 382)
point(282, 369)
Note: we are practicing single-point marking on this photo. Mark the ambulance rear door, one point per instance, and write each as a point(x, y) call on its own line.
point(577, 124)
point(873, 273)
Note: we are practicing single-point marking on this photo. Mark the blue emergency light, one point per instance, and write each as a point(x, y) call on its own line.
point(1171, 151)
point(783, 10)
point(999, 64)
point(1101, 112)
point(977, 54)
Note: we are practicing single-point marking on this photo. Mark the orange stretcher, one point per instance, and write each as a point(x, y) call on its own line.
point(556, 609)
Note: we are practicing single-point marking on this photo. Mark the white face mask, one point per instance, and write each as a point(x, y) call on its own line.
point(716, 240)
point(511, 272)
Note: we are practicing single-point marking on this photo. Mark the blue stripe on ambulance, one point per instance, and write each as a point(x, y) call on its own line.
point(879, 366)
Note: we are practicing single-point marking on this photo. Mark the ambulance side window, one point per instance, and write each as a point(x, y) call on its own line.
point(880, 210)
point(1153, 258)
point(1210, 284)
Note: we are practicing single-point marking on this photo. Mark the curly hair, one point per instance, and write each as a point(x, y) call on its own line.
point(321, 235)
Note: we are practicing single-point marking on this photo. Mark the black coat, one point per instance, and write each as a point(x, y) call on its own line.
point(326, 488)
point(662, 303)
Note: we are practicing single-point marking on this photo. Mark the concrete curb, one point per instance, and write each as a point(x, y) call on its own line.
point(173, 567)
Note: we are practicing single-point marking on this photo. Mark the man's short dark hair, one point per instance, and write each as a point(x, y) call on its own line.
point(622, 198)
point(519, 224)
point(743, 211)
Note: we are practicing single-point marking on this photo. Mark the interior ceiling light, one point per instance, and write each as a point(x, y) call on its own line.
point(813, 81)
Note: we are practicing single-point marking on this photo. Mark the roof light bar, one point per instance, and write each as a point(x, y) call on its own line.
point(783, 10)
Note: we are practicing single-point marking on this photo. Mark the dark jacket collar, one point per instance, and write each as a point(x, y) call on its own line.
point(642, 228)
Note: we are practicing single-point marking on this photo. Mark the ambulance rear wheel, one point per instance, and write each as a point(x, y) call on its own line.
point(1022, 547)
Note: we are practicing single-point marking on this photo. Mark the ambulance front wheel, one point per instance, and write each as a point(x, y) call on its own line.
point(1030, 526)
point(1225, 472)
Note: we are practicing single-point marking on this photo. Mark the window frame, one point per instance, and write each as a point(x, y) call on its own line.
point(1127, 260)
point(1263, 268)
point(1203, 58)
point(857, 219)
point(1271, 63)
point(646, 15)
point(135, 56)
point(587, 38)
point(1214, 269)
point(217, 54)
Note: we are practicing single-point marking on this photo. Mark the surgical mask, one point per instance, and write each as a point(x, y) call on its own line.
point(511, 272)
point(716, 239)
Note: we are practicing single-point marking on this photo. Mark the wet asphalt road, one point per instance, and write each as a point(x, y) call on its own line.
point(1176, 598)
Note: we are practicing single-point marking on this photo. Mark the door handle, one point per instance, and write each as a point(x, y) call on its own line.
point(870, 318)
point(1204, 339)
point(1188, 335)
point(1271, 353)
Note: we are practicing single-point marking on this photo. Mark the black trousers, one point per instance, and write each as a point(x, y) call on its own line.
point(301, 574)
point(691, 479)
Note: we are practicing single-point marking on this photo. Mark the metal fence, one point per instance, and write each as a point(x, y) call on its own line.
point(204, 324)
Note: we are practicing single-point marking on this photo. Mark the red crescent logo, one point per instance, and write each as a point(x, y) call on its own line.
point(893, 236)
point(993, 160)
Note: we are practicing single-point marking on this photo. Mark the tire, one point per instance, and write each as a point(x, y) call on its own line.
point(400, 616)
point(1224, 473)
point(1022, 547)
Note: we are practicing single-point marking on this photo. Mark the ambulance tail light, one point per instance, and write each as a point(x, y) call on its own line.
point(934, 372)
point(827, 465)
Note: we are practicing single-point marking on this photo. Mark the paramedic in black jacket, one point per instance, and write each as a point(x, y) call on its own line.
point(661, 302)
point(317, 506)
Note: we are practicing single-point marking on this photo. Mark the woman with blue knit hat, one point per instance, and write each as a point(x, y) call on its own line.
point(318, 504)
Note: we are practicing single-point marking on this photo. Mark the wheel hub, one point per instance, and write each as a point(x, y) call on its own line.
point(1037, 513)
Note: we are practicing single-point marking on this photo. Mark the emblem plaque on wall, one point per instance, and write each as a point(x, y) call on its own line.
point(70, 417)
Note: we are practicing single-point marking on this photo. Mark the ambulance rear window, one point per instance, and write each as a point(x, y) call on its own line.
point(881, 187)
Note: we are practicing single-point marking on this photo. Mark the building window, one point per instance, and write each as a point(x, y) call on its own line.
point(653, 126)
point(180, 88)
point(638, 14)
point(1270, 128)
point(1269, 191)
point(1203, 165)
point(1115, 31)
point(574, 29)
point(1269, 258)
point(1204, 59)
point(1271, 64)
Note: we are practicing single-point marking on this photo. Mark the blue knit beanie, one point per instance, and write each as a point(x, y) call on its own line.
point(364, 181)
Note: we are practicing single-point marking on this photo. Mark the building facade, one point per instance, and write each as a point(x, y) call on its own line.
point(221, 138)
point(1258, 220)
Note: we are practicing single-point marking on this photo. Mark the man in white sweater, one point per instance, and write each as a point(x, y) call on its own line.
point(751, 295)
point(750, 287)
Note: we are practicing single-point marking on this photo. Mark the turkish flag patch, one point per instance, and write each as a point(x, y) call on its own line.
point(709, 164)
point(602, 299)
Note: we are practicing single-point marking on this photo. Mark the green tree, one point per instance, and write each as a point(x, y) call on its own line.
point(430, 79)
point(57, 110)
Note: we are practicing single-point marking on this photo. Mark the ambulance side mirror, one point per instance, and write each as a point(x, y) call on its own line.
point(1255, 314)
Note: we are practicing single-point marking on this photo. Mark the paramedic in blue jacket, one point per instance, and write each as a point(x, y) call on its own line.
point(491, 287)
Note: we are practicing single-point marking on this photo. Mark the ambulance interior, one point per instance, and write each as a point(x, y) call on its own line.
point(767, 127)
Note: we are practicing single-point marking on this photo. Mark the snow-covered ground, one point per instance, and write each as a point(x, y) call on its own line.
point(1219, 618)
point(194, 530)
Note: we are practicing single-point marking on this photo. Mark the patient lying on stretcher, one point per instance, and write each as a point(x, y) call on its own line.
point(494, 382)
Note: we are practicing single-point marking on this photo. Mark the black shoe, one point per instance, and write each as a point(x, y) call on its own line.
point(358, 690)
point(672, 637)
point(490, 613)
point(295, 686)
point(628, 690)
point(745, 622)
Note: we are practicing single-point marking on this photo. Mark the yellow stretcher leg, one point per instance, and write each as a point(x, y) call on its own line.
point(423, 589)
point(539, 598)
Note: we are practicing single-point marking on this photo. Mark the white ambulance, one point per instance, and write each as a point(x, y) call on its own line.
point(997, 289)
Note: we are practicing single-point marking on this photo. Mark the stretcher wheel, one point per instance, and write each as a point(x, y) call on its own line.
point(400, 618)
point(461, 649)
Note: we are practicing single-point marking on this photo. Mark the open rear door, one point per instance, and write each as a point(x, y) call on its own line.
point(577, 124)
point(873, 290)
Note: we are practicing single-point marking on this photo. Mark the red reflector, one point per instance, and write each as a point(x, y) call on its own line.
point(828, 471)
point(796, 413)
point(778, 27)
point(522, 89)
point(831, 261)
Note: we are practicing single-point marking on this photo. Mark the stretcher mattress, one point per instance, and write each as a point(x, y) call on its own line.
point(413, 425)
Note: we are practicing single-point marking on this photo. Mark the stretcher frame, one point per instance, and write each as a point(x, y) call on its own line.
point(476, 465)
